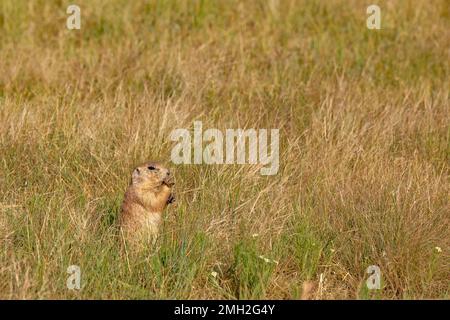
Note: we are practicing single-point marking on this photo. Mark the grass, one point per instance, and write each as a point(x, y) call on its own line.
point(364, 151)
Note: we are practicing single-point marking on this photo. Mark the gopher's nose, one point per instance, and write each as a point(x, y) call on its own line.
point(168, 173)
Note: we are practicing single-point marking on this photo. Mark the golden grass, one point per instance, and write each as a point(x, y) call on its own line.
point(364, 155)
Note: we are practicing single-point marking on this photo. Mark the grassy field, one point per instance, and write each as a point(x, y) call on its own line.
point(364, 147)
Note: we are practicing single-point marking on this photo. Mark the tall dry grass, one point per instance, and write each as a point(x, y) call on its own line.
point(364, 155)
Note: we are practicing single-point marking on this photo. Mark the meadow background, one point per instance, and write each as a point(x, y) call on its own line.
point(364, 153)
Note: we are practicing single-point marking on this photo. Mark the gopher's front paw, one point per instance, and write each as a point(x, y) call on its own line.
point(169, 181)
point(171, 198)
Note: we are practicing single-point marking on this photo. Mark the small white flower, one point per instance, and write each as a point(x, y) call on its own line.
point(266, 260)
point(255, 235)
point(214, 274)
point(438, 249)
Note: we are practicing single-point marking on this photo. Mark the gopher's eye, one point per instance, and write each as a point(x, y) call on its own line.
point(151, 168)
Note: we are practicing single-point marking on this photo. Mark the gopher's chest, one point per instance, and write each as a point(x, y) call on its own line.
point(150, 222)
point(138, 220)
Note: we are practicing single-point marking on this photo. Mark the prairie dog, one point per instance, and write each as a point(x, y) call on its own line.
point(148, 194)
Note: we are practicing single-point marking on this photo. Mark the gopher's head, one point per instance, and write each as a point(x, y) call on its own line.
point(151, 176)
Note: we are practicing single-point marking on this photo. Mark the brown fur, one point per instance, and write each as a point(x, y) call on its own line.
point(148, 194)
point(308, 290)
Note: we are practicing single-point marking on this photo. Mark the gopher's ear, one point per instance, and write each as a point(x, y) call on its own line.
point(135, 177)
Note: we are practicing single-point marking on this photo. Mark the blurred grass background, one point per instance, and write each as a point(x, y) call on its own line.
point(364, 155)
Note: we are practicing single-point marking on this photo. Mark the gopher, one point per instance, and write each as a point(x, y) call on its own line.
point(148, 194)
